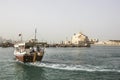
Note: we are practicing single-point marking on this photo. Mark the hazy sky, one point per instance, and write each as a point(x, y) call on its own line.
point(57, 19)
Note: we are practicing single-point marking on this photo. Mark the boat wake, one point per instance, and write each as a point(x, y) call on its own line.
point(89, 68)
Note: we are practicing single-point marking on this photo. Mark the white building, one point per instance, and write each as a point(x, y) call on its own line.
point(110, 42)
point(80, 39)
point(67, 42)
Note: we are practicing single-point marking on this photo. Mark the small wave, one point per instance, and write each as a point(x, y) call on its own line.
point(88, 68)
point(7, 61)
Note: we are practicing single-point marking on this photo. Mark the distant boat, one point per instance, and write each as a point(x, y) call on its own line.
point(6, 44)
point(28, 52)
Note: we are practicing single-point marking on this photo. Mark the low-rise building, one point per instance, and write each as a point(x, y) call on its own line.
point(109, 42)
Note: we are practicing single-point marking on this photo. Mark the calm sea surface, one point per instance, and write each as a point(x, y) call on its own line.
point(95, 63)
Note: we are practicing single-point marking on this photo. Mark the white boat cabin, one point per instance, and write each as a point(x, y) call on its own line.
point(20, 49)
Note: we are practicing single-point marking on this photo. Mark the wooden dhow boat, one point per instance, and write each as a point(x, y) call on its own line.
point(25, 54)
point(28, 52)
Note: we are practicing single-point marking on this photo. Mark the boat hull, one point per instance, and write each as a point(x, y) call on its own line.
point(28, 58)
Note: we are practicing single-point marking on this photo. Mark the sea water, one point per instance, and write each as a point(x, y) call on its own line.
point(94, 63)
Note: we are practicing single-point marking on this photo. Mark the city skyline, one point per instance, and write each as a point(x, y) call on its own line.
point(57, 19)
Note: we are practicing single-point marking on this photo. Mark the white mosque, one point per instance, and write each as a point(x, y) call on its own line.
point(79, 39)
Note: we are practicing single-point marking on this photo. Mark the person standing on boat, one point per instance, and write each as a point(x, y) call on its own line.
point(35, 49)
point(38, 48)
point(32, 50)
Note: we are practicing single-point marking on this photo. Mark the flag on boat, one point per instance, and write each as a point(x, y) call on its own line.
point(20, 34)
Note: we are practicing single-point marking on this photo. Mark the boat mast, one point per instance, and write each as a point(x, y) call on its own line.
point(35, 34)
point(21, 38)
